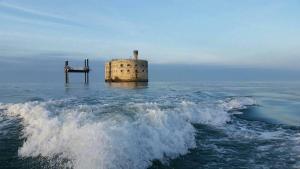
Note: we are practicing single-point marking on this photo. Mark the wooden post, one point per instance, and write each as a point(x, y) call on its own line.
point(87, 73)
point(87, 77)
point(67, 77)
point(84, 70)
point(66, 72)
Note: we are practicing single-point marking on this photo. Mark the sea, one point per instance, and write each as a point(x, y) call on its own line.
point(154, 125)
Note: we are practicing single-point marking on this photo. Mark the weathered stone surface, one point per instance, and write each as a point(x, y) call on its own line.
point(126, 70)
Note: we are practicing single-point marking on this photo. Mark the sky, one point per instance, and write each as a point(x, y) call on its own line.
point(242, 33)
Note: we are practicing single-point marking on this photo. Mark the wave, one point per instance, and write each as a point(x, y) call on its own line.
point(144, 132)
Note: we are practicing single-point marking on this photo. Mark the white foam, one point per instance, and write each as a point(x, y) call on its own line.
point(204, 114)
point(237, 103)
point(113, 142)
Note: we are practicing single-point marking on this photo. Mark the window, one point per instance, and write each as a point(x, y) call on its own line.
point(121, 65)
point(143, 70)
point(143, 65)
point(135, 65)
point(128, 70)
point(136, 71)
point(128, 65)
point(121, 70)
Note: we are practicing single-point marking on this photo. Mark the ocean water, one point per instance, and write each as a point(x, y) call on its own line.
point(156, 125)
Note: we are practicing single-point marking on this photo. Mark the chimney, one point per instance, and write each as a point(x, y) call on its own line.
point(135, 54)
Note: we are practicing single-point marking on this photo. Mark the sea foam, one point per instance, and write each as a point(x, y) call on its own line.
point(114, 141)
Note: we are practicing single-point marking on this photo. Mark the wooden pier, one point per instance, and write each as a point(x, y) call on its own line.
point(68, 69)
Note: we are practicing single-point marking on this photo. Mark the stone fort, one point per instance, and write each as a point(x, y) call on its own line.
point(127, 70)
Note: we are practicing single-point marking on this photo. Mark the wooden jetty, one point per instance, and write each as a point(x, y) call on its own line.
point(68, 69)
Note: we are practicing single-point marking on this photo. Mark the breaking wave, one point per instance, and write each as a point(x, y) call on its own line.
point(141, 132)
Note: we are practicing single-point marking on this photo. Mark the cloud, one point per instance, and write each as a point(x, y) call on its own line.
point(30, 14)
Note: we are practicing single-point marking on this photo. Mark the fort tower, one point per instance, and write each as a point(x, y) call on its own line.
point(127, 70)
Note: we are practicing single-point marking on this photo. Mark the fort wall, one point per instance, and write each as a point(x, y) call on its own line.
point(126, 70)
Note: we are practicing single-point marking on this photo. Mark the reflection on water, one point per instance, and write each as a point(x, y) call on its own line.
point(73, 87)
point(128, 85)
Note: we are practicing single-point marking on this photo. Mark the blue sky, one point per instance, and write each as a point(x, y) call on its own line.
point(254, 33)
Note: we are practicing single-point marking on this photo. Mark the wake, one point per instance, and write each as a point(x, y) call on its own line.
point(129, 140)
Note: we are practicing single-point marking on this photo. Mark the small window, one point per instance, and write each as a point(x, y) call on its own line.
point(136, 71)
point(121, 65)
point(135, 65)
point(143, 65)
point(128, 65)
point(128, 70)
point(143, 70)
point(121, 70)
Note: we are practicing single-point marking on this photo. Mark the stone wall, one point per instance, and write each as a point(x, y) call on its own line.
point(126, 70)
